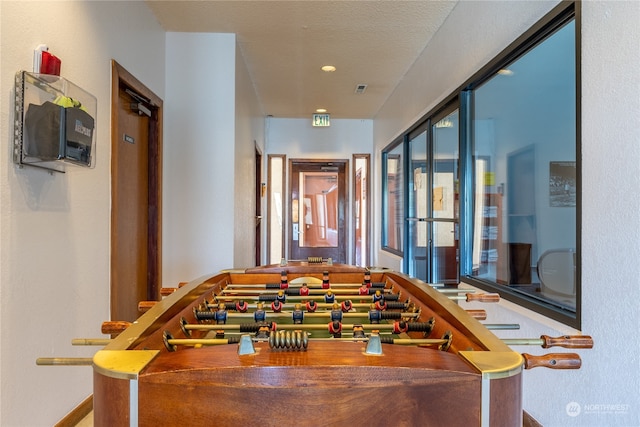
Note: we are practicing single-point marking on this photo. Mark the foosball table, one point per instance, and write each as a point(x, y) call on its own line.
point(312, 343)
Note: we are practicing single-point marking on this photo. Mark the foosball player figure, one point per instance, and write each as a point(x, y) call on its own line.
point(346, 306)
point(242, 306)
point(259, 316)
point(304, 290)
point(363, 290)
point(298, 314)
point(375, 315)
point(312, 306)
point(276, 306)
point(284, 282)
point(329, 297)
point(378, 297)
point(367, 279)
point(263, 332)
point(325, 280)
point(281, 296)
point(358, 331)
point(336, 313)
point(335, 329)
point(221, 314)
point(381, 305)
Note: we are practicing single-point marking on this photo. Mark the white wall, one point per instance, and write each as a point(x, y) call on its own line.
point(473, 34)
point(199, 155)
point(296, 138)
point(249, 136)
point(54, 229)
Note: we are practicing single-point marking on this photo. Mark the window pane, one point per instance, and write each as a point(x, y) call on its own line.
point(525, 173)
point(394, 199)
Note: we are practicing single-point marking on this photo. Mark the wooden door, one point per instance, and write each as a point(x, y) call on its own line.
point(318, 209)
point(135, 195)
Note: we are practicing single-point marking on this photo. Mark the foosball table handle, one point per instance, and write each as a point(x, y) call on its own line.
point(567, 341)
point(483, 297)
point(111, 327)
point(552, 361)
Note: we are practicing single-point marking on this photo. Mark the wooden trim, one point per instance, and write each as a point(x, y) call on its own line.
point(77, 414)
point(367, 231)
point(529, 421)
point(120, 76)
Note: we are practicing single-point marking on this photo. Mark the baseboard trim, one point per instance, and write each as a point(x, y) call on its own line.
point(529, 421)
point(77, 414)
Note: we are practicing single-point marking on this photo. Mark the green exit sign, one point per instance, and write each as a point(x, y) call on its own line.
point(320, 120)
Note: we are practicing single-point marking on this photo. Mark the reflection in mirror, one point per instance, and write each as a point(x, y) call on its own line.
point(318, 209)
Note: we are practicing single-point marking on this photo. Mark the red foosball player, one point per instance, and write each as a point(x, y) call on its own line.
point(312, 306)
point(276, 306)
point(297, 315)
point(284, 282)
point(367, 279)
point(335, 329)
point(242, 306)
point(304, 290)
point(363, 290)
point(381, 305)
point(325, 280)
point(346, 306)
point(259, 315)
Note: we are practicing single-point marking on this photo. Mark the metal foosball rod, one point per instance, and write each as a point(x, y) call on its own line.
point(189, 342)
point(64, 361)
point(316, 314)
point(545, 341)
point(114, 328)
point(271, 296)
point(90, 341)
point(349, 291)
point(320, 305)
point(295, 285)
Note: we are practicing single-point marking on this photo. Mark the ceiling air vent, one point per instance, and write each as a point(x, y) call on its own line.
point(361, 88)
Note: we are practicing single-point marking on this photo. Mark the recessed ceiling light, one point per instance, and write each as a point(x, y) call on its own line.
point(321, 110)
point(505, 72)
point(328, 68)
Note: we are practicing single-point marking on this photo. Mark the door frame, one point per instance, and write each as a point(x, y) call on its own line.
point(343, 207)
point(121, 77)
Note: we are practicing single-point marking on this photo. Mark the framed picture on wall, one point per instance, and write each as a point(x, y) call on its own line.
point(562, 184)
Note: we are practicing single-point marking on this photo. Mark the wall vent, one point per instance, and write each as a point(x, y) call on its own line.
point(361, 88)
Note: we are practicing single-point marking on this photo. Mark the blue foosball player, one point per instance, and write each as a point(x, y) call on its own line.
point(259, 315)
point(375, 315)
point(336, 313)
point(221, 315)
point(297, 315)
point(329, 297)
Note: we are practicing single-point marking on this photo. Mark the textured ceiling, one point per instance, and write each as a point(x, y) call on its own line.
point(284, 44)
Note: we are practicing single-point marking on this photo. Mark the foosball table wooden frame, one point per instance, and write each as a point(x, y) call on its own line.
point(437, 365)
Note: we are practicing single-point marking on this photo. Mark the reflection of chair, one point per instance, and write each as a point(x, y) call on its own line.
point(557, 274)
